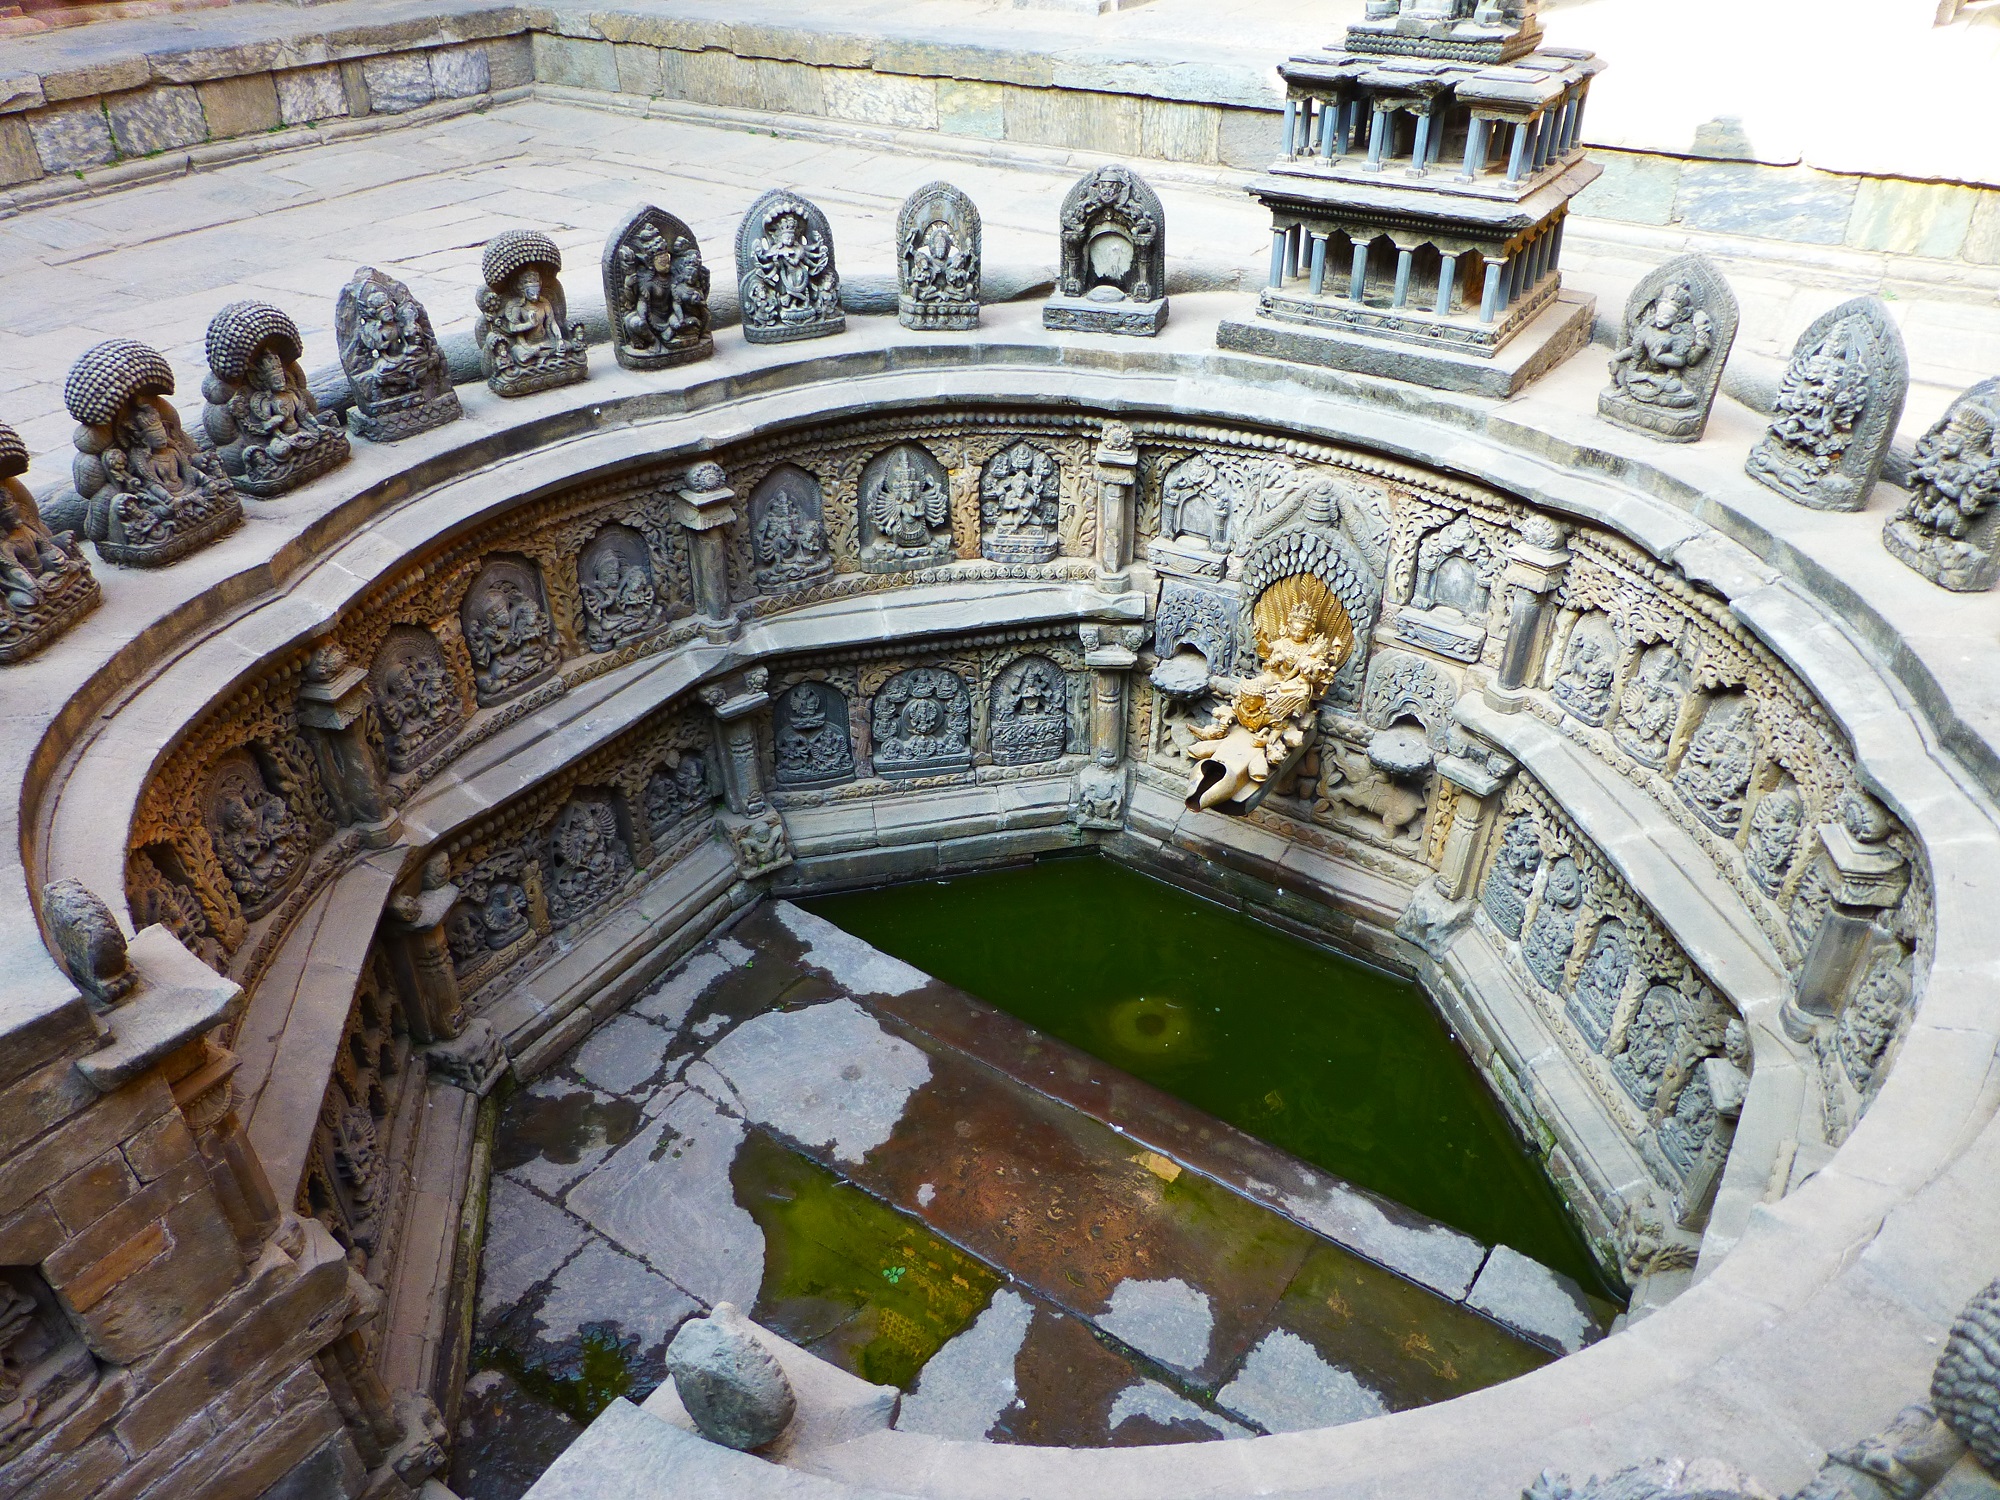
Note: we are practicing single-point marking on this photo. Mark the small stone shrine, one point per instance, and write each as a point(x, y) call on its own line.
point(1679, 323)
point(1838, 404)
point(45, 581)
point(937, 259)
point(1113, 273)
point(1947, 529)
point(1424, 175)
point(786, 280)
point(268, 431)
point(394, 366)
point(526, 340)
point(145, 494)
point(656, 292)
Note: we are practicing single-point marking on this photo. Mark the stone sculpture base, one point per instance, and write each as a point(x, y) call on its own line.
point(948, 316)
point(393, 424)
point(1083, 315)
point(1020, 549)
point(76, 596)
point(1833, 490)
point(326, 455)
point(786, 333)
point(666, 359)
point(1546, 342)
point(544, 375)
point(223, 515)
point(876, 558)
point(1966, 566)
point(1664, 424)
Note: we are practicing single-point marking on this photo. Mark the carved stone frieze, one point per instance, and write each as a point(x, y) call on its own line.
point(812, 740)
point(589, 856)
point(615, 588)
point(788, 529)
point(922, 723)
point(1027, 718)
point(269, 434)
point(393, 363)
point(416, 701)
point(1714, 771)
point(905, 511)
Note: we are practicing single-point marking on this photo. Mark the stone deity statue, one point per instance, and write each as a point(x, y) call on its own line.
point(656, 292)
point(45, 581)
point(1679, 323)
point(785, 271)
point(393, 363)
point(1946, 529)
point(268, 431)
point(526, 341)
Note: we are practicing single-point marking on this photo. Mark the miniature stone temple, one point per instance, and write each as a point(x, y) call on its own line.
point(1948, 530)
point(526, 341)
point(45, 581)
point(145, 494)
point(1679, 323)
point(1838, 404)
point(268, 431)
point(656, 292)
point(786, 279)
point(1112, 277)
point(394, 366)
point(937, 259)
point(1424, 174)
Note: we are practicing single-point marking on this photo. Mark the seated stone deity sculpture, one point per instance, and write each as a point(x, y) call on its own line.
point(1946, 529)
point(1650, 365)
point(788, 542)
point(526, 341)
point(656, 291)
point(1267, 720)
point(785, 272)
point(618, 599)
point(45, 580)
point(269, 433)
point(393, 363)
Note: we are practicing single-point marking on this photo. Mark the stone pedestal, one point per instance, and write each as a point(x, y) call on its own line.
point(755, 829)
point(1864, 878)
point(1476, 787)
point(704, 509)
point(1535, 567)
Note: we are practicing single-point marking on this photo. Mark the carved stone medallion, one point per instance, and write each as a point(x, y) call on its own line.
point(937, 267)
point(1020, 491)
point(526, 340)
point(259, 841)
point(922, 724)
point(506, 626)
point(269, 433)
point(1512, 875)
point(1714, 773)
point(1113, 273)
point(614, 579)
point(788, 529)
point(1947, 529)
point(785, 272)
point(1027, 720)
point(905, 511)
point(588, 857)
point(1551, 936)
point(813, 745)
point(656, 292)
point(147, 494)
point(1838, 404)
point(394, 366)
point(416, 701)
point(1679, 323)
point(45, 580)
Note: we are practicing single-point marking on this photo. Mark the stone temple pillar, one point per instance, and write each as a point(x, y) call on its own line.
point(1865, 878)
point(702, 508)
point(1110, 661)
point(1477, 780)
point(1117, 460)
point(420, 958)
point(755, 829)
point(1535, 565)
point(333, 706)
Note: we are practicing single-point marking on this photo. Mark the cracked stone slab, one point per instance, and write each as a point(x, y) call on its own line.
point(970, 1383)
point(1284, 1386)
point(826, 1076)
point(1155, 1403)
point(673, 998)
point(1526, 1295)
point(622, 1054)
point(1165, 1320)
point(603, 1285)
point(844, 958)
point(527, 1239)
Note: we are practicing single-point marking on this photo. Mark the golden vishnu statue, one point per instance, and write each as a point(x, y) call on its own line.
point(1303, 638)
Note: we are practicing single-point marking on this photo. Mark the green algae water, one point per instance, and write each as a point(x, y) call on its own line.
point(1338, 1063)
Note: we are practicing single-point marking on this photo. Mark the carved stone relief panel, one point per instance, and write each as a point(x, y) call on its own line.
point(656, 291)
point(46, 1370)
point(589, 855)
point(788, 529)
point(1714, 771)
point(905, 511)
point(615, 588)
point(922, 723)
point(1653, 1043)
point(1020, 491)
point(1838, 404)
point(680, 786)
point(1771, 844)
point(1685, 1132)
point(1589, 667)
point(494, 911)
point(1028, 715)
point(261, 841)
point(349, 1182)
point(159, 891)
point(1650, 707)
point(1199, 618)
point(937, 266)
point(505, 618)
point(1451, 593)
point(1946, 530)
point(1516, 861)
point(416, 701)
point(1600, 983)
point(1552, 935)
point(812, 737)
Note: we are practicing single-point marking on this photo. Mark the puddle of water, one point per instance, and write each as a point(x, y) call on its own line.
point(861, 1285)
point(583, 1379)
point(1342, 1065)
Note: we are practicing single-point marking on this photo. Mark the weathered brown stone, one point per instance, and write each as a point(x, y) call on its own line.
point(88, 1471)
point(266, 1443)
point(40, 1102)
point(84, 1135)
point(131, 1288)
point(159, 1148)
point(18, 161)
point(91, 1286)
point(85, 1196)
point(95, 78)
point(30, 1237)
point(240, 106)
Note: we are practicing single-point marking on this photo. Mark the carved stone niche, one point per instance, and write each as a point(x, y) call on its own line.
point(788, 529)
point(1713, 776)
point(1452, 593)
point(1777, 827)
point(1600, 983)
point(615, 588)
point(905, 511)
point(45, 1369)
point(45, 582)
point(416, 701)
point(505, 618)
point(157, 890)
point(785, 274)
point(526, 341)
point(656, 292)
point(680, 787)
point(1838, 404)
point(250, 809)
point(1653, 1041)
point(1194, 635)
point(1198, 499)
point(937, 266)
point(494, 911)
point(922, 724)
point(589, 855)
point(394, 366)
point(1517, 858)
point(1948, 529)
point(1113, 273)
point(1550, 938)
point(1679, 323)
point(1027, 720)
point(1020, 496)
point(1588, 669)
point(145, 494)
point(812, 738)
point(1649, 709)
point(268, 431)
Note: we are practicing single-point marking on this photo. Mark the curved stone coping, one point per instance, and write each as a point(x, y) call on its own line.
point(1757, 1362)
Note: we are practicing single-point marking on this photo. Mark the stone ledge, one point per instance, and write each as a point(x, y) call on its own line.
point(180, 998)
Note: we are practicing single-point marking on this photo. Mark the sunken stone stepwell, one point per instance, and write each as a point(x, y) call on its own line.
point(1009, 898)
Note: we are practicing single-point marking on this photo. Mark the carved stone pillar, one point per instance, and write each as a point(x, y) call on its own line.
point(1108, 650)
point(420, 958)
point(334, 705)
point(703, 509)
point(1477, 776)
point(1535, 565)
point(1727, 1084)
point(1117, 460)
point(755, 829)
point(1864, 878)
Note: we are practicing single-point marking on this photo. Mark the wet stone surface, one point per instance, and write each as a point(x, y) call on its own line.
point(873, 1164)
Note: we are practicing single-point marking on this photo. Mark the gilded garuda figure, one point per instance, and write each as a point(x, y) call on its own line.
point(1304, 637)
